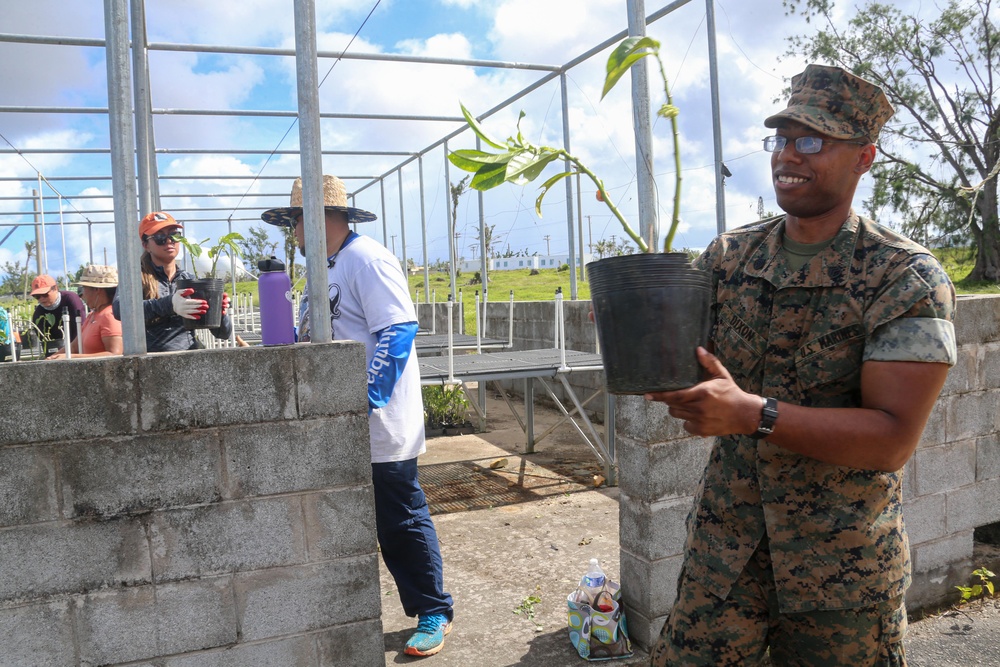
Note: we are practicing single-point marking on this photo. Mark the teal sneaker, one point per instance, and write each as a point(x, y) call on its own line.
point(429, 636)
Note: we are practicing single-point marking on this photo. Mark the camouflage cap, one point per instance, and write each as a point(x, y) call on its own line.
point(835, 102)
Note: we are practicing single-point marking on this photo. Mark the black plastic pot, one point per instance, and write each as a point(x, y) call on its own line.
point(210, 290)
point(652, 312)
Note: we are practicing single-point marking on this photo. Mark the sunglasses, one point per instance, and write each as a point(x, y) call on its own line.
point(39, 296)
point(161, 238)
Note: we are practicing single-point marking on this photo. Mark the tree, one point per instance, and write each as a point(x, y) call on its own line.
point(256, 246)
point(290, 246)
point(942, 148)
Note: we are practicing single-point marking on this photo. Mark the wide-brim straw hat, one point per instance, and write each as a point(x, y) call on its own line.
point(98, 275)
point(334, 199)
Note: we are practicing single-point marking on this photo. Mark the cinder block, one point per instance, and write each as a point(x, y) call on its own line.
point(27, 486)
point(972, 415)
point(653, 530)
point(647, 421)
point(977, 319)
point(643, 631)
point(649, 587)
point(49, 559)
point(129, 624)
point(288, 457)
point(652, 472)
point(355, 645)
point(988, 457)
point(963, 376)
point(934, 430)
point(340, 523)
point(220, 387)
point(908, 481)
point(989, 365)
point(284, 601)
point(292, 652)
point(120, 476)
point(227, 537)
point(925, 518)
point(949, 466)
point(38, 635)
point(974, 505)
point(954, 548)
point(331, 379)
point(107, 407)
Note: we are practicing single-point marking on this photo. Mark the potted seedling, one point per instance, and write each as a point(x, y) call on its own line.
point(209, 288)
point(652, 308)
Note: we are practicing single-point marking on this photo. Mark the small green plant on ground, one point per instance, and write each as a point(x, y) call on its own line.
point(983, 588)
point(444, 406)
point(527, 609)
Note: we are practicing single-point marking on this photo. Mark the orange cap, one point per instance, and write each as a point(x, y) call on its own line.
point(154, 222)
point(42, 284)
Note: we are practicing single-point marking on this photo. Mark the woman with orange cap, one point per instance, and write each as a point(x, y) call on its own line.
point(164, 306)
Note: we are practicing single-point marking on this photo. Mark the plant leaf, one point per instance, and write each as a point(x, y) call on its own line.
point(473, 160)
point(545, 189)
point(489, 176)
point(478, 129)
point(624, 56)
point(525, 167)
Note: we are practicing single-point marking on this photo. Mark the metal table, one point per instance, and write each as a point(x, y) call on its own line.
point(530, 365)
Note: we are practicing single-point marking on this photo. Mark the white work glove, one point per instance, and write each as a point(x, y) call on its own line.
point(191, 309)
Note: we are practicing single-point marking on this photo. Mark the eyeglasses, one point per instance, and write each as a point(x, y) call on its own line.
point(161, 238)
point(804, 145)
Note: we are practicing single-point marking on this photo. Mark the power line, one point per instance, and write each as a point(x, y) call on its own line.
point(296, 120)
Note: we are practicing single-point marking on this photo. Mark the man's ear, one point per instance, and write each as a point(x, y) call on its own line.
point(866, 157)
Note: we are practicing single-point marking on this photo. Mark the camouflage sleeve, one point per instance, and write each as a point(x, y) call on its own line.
point(924, 331)
point(709, 261)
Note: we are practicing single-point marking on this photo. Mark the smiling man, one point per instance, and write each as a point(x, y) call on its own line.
point(832, 337)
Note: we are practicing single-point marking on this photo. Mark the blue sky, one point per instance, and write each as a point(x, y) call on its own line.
point(750, 36)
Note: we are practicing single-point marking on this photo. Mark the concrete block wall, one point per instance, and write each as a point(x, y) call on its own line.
point(534, 328)
point(951, 485)
point(434, 317)
point(200, 509)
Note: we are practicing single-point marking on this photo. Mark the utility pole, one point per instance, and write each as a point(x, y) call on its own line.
point(457, 256)
point(393, 244)
point(547, 237)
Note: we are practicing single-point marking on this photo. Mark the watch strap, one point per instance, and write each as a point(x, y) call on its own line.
point(768, 415)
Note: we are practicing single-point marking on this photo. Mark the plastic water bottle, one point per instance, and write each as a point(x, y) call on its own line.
point(277, 323)
point(593, 581)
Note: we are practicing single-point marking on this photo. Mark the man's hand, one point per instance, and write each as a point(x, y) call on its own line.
point(716, 406)
point(191, 309)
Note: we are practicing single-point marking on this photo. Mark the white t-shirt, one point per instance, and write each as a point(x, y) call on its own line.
point(368, 292)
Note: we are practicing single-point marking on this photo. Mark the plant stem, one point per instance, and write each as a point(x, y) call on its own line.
point(643, 246)
point(675, 220)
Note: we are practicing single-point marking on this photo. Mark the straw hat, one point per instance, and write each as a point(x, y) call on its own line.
point(97, 275)
point(334, 199)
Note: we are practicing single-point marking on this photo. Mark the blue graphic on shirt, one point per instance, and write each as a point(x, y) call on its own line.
point(391, 352)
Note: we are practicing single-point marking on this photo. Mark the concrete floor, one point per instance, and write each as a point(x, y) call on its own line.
point(514, 527)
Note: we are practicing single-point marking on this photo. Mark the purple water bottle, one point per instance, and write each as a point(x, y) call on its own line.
point(277, 324)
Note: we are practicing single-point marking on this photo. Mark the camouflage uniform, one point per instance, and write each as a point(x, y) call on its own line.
point(832, 536)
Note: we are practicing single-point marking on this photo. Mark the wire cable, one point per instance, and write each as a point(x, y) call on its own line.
point(296, 120)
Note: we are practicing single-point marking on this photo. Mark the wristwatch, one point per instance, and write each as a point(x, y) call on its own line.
point(768, 415)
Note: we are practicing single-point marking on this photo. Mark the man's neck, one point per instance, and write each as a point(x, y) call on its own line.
point(336, 234)
point(816, 229)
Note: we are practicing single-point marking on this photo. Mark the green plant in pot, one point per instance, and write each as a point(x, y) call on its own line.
point(209, 288)
point(651, 308)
